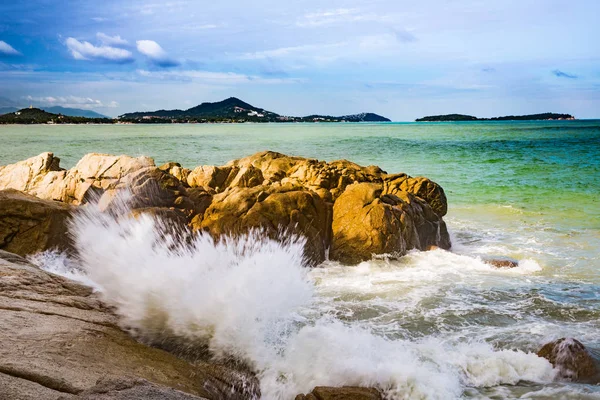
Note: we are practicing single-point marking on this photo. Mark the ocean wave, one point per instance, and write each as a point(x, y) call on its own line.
point(251, 299)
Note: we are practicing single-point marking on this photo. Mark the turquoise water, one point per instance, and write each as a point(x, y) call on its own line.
point(526, 190)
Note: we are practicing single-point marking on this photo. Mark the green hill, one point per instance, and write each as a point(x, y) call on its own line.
point(462, 117)
point(236, 110)
point(228, 108)
point(37, 116)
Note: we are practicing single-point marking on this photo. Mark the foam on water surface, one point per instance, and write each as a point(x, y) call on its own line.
point(430, 325)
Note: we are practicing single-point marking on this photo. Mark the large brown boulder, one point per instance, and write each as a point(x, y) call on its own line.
point(29, 225)
point(341, 393)
point(367, 222)
point(571, 360)
point(277, 210)
point(58, 339)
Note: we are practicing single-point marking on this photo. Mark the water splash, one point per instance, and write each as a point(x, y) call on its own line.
point(251, 299)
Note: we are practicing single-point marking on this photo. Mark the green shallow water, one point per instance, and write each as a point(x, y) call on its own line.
point(527, 190)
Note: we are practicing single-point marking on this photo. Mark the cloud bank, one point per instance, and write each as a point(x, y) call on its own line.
point(561, 74)
point(7, 49)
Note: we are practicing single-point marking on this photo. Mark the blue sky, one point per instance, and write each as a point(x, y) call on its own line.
point(401, 59)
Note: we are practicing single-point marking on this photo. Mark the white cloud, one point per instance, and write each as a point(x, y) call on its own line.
point(7, 49)
point(87, 51)
point(111, 40)
point(70, 101)
point(156, 54)
point(338, 16)
point(283, 52)
point(219, 78)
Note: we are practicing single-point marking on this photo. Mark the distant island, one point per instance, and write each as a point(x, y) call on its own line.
point(530, 117)
point(66, 111)
point(37, 116)
point(231, 110)
point(236, 110)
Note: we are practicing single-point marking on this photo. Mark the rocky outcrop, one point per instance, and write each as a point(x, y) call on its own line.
point(29, 224)
point(571, 360)
point(277, 210)
point(341, 393)
point(368, 221)
point(354, 211)
point(42, 177)
point(58, 340)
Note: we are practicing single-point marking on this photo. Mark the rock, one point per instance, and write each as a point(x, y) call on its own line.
point(273, 209)
point(132, 389)
point(24, 175)
point(209, 176)
point(12, 387)
point(363, 225)
point(422, 187)
point(502, 262)
point(148, 187)
point(572, 360)
point(366, 221)
point(92, 175)
point(309, 173)
point(324, 201)
point(176, 170)
point(342, 393)
point(29, 225)
point(58, 338)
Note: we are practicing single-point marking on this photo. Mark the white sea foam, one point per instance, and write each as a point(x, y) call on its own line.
point(253, 299)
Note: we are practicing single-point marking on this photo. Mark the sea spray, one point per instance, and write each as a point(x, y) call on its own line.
point(251, 299)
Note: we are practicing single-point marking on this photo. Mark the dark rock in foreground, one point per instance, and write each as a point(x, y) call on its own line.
point(29, 224)
point(58, 340)
point(341, 393)
point(354, 211)
point(572, 360)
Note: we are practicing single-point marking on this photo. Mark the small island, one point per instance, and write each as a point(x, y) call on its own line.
point(33, 115)
point(530, 117)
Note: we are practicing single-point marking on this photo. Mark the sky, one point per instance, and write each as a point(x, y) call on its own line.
point(401, 59)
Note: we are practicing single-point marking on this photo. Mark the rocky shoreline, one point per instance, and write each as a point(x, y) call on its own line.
point(60, 341)
point(351, 212)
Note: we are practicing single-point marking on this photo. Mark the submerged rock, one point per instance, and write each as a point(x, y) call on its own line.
point(29, 224)
point(341, 393)
point(58, 340)
point(572, 360)
point(354, 211)
point(502, 262)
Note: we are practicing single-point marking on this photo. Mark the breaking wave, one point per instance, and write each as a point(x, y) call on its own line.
point(252, 300)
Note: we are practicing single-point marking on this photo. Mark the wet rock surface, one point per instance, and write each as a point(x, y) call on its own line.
point(29, 224)
point(341, 393)
point(58, 340)
point(572, 361)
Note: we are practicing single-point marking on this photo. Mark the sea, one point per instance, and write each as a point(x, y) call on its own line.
point(430, 325)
